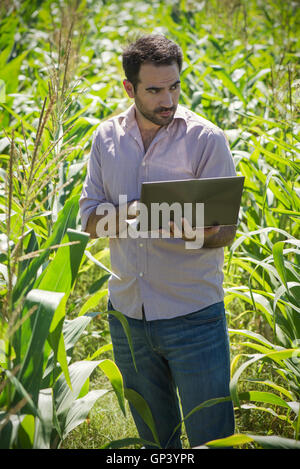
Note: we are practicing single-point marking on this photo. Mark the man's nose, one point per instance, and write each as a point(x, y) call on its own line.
point(166, 100)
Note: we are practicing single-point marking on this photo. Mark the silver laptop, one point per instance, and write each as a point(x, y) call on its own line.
point(221, 197)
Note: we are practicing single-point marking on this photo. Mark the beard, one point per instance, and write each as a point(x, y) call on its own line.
point(154, 116)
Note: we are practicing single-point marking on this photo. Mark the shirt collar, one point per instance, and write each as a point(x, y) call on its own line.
point(127, 118)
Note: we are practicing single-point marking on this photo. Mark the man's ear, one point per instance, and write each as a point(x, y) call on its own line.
point(128, 88)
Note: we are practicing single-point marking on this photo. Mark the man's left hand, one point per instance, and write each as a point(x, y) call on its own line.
point(188, 233)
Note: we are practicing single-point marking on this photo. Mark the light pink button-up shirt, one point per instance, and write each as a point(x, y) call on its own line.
point(161, 274)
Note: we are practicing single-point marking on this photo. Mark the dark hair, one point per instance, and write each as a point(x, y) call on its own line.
point(152, 48)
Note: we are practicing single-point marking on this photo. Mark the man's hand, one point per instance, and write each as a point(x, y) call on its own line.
point(187, 233)
point(133, 209)
point(214, 236)
point(113, 219)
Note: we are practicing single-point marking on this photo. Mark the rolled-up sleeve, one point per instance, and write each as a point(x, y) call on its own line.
point(92, 192)
point(216, 160)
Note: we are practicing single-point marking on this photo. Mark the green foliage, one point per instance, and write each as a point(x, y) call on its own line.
point(43, 395)
point(60, 75)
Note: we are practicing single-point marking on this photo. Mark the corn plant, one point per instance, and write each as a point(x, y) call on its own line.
point(43, 396)
point(266, 256)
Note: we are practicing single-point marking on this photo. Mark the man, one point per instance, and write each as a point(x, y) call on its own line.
point(171, 296)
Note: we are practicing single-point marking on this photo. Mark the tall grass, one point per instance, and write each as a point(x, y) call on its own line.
point(43, 396)
point(61, 71)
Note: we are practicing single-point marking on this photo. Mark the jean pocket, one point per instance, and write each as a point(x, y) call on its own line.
point(212, 314)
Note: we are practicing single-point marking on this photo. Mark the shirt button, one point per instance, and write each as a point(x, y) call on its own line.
point(141, 274)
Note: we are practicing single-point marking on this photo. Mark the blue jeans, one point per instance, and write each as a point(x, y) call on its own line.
point(188, 354)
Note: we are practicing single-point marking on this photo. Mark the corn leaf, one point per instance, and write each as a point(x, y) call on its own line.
point(64, 395)
point(143, 409)
point(30, 339)
point(66, 219)
point(113, 374)
point(265, 442)
point(92, 302)
point(262, 396)
point(80, 409)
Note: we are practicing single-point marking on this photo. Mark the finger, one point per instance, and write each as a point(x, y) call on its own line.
point(187, 228)
point(172, 230)
point(211, 230)
point(167, 232)
point(177, 230)
point(188, 232)
point(133, 209)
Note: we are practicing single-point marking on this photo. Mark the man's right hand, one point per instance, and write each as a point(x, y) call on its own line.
point(110, 228)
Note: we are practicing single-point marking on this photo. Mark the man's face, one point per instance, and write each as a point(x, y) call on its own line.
point(157, 93)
